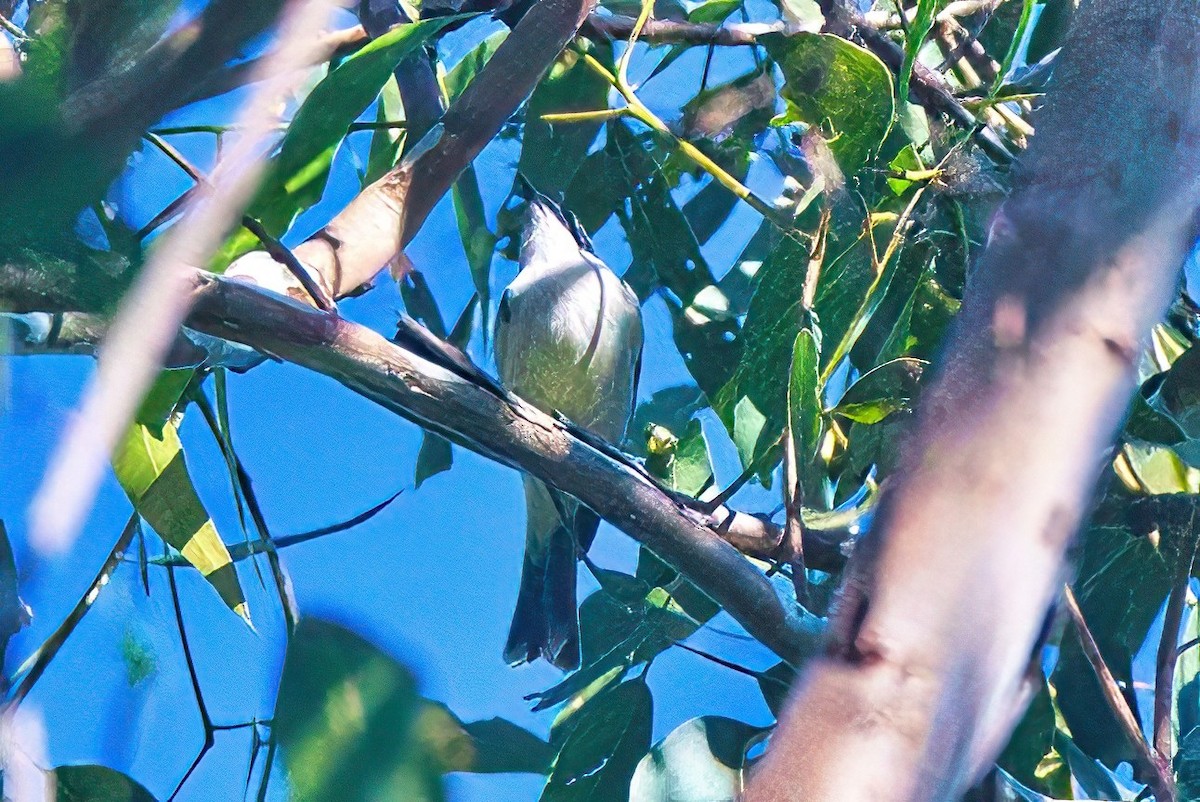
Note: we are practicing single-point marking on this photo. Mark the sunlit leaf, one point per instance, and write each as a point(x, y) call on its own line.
point(840, 87)
point(881, 391)
point(296, 176)
point(152, 470)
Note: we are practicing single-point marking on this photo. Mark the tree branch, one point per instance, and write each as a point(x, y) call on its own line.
point(500, 426)
point(943, 605)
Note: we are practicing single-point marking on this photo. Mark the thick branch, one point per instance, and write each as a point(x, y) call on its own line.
point(944, 604)
point(511, 432)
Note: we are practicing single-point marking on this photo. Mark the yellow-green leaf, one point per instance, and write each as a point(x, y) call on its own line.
point(153, 472)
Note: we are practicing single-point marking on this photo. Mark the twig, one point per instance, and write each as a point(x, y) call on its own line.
point(33, 668)
point(1153, 764)
point(278, 251)
point(1164, 675)
point(156, 305)
point(241, 551)
point(201, 707)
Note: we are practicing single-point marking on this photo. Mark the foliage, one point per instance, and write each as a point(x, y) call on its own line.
point(806, 318)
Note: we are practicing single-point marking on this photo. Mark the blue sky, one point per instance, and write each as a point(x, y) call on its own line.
point(431, 580)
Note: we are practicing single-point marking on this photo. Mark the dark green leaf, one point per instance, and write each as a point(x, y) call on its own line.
point(551, 153)
point(296, 176)
point(670, 408)
point(881, 391)
point(1187, 765)
point(702, 760)
point(682, 464)
point(840, 87)
point(478, 242)
point(598, 758)
point(351, 724)
point(385, 142)
point(1126, 563)
point(775, 684)
point(804, 396)
point(753, 404)
point(502, 747)
point(914, 38)
point(96, 784)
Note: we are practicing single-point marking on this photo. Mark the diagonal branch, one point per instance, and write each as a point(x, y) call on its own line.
point(500, 426)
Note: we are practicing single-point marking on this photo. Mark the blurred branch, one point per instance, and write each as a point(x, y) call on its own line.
point(151, 312)
point(424, 387)
point(943, 605)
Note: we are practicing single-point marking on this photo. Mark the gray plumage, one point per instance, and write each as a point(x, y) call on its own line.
point(568, 340)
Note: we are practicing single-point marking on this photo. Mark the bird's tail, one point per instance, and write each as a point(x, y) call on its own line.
point(546, 620)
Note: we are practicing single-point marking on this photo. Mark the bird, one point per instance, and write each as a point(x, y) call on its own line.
point(568, 340)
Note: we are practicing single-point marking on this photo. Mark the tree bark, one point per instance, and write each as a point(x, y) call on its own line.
point(939, 623)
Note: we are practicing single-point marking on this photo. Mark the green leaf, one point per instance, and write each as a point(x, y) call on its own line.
point(385, 142)
point(1187, 765)
point(502, 747)
point(839, 87)
point(702, 760)
point(914, 38)
point(682, 464)
point(551, 153)
point(296, 177)
point(671, 408)
point(599, 756)
point(627, 622)
point(478, 241)
point(461, 74)
point(753, 404)
point(153, 472)
point(804, 396)
point(881, 391)
point(667, 255)
point(351, 724)
point(96, 784)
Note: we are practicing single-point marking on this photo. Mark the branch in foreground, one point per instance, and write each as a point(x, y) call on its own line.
point(944, 603)
point(146, 327)
point(507, 430)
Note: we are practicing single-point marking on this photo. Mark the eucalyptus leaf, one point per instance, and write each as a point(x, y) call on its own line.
point(600, 755)
point(351, 724)
point(839, 87)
